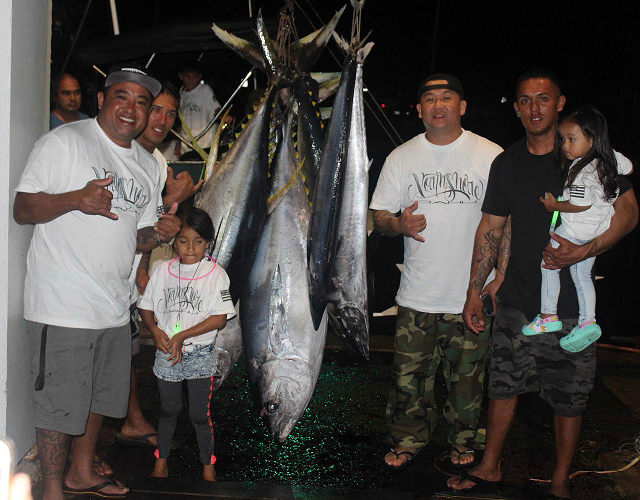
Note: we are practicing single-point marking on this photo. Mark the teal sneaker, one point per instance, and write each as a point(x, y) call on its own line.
point(542, 325)
point(581, 337)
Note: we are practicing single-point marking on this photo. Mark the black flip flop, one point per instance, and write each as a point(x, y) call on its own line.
point(471, 452)
point(479, 483)
point(139, 441)
point(410, 456)
point(95, 490)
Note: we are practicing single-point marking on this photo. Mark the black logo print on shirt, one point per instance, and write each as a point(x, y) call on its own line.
point(449, 187)
point(184, 299)
point(128, 195)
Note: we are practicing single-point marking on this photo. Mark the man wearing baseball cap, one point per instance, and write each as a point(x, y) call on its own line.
point(430, 190)
point(93, 194)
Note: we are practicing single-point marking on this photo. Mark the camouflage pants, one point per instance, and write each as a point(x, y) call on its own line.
point(424, 341)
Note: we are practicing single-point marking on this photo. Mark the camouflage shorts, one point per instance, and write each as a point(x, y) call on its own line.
point(519, 364)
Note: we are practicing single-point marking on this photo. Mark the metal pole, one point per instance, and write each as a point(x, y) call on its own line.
point(149, 61)
point(114, 17)
point(226, 105)
point(75, 39)
point(435, 37)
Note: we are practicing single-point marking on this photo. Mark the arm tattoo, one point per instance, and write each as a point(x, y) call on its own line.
point(382, 220)
point(505, 248)
point(146, 239)
point(53, 448)
point(144, 261)
point(486, 256)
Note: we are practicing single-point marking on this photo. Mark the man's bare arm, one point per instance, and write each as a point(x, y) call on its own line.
point(385, 222)
point(504, 252)
point(406, 223)
point(163, 231)
point(38, 208)
point(142, 273)
point(622, 223)
point(485, 255)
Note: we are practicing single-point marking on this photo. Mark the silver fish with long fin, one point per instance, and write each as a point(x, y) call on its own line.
point(282, 348)
point(327, 195)
point(236, 197)
point(347, 294)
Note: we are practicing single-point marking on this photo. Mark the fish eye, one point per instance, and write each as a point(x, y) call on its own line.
point(272, 407)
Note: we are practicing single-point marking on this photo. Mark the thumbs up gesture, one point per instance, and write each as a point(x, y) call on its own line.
point(168, 224)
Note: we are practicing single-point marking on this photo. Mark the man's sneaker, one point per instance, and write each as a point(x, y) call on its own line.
point(581, 337)
point(542, 325)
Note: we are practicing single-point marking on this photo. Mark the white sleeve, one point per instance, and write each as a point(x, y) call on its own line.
point(221, 302)
point(47, 167)
point(150, 215)
point(146, 302)
point(386, 195)
point(624, 164)
point(586, 188)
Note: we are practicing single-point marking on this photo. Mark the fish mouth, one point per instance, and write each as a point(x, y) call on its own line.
point(351, 323)
point(285, 399)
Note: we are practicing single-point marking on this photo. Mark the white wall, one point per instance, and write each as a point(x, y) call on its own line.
point(25, 34)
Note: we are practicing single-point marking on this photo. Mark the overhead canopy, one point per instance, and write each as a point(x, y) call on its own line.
point(184, 36)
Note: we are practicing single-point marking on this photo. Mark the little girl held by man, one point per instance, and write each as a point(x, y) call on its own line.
point(582, 150)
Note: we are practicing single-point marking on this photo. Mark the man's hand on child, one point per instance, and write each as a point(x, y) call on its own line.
point(549, 201)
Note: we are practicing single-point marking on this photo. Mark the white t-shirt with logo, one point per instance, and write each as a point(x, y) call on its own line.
point(586, 190)
point(198, 108)
point(78, 265)
point(187, 294)
point(162, 165)
point(449, 183)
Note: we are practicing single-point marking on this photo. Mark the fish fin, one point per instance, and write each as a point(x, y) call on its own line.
point(369, 164)
point(243, 48)
point(211, 164)
point(364, 51)
point(275, 199)
point(308, 49)
point(192, 139)
point(341, 42)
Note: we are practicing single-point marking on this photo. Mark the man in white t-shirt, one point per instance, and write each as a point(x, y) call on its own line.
point(93, 194)
point(136, 431)
point(436, 181)
point(198, 106)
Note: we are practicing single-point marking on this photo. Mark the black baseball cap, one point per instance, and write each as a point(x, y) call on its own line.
point(452, 84)
point(131, 73)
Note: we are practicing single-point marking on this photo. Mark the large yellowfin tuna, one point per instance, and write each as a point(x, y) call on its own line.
point(282, 348)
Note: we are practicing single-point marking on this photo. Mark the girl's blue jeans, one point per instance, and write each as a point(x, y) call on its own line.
point(581, 276)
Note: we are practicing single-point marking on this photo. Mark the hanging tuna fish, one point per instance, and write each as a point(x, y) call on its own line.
point(282, 347)
point(235, 198)
point(337, 234)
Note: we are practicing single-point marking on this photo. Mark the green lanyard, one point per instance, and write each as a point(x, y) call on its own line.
point(554, 219)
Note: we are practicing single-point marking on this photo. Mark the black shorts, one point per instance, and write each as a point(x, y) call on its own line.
point(519, 364)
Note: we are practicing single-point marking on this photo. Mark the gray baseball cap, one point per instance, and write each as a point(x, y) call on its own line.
point(129, 73)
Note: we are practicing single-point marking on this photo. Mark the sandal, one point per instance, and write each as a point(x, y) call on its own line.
point(410, 456)
point(458, 453)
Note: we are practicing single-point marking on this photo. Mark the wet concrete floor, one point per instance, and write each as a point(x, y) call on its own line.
point(336, 449)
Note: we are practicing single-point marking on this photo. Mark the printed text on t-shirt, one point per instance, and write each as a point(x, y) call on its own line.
point(449, 187)
point(128, 195)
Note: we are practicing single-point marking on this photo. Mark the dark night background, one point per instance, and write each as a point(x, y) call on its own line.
point(595, 48)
